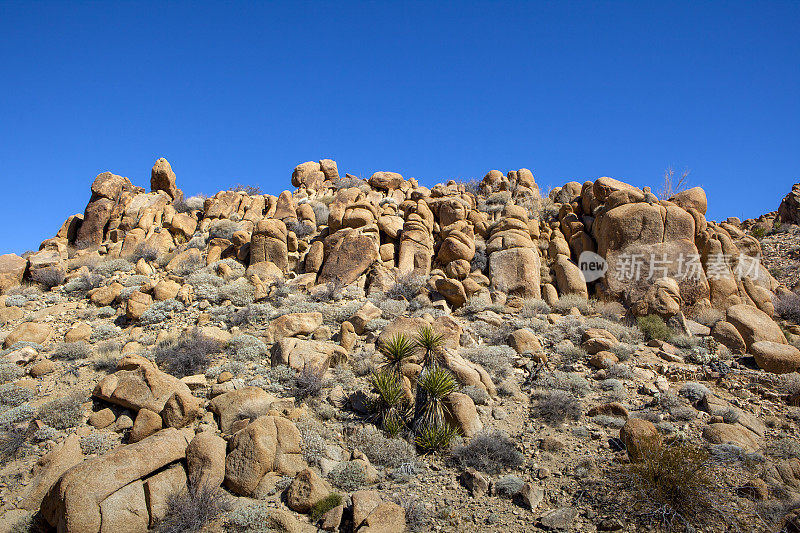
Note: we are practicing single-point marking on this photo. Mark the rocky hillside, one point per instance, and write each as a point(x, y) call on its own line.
point(376, 356)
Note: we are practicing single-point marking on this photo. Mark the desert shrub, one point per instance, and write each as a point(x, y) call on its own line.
point(112, 266)
point(251, 314)
point(83, 283)
point(310, 381)
point(186, 355)
point(105, 330)
point(391, 308)
point(105, 312)
point(612, 384)
point(334, 499)
point(190, 510)
point(568, 301)
point(240, 292)
point(479, 261)
point(254, 518)
point(478, 395)
point(30, 523)
point(496, 360)
point(571, 354)
point(107, 362)
point(620, 371)
point(500, 198)
point(206, 292)
point(223, 229)
point(572, 382)
point(321, 213)
point(654, 327)
point(16, 414)
point(788, 307)
point(407, 287)
point(62, 413)
point(676, 486)
point(687, 342)
point(70, 351)
point(783, 448)
point(472, 185)
point(96, 443)
point(610, 310)
point(145, 251)
point(12, 395)
point(379, 449)
point(300, 229)
point(193, 203)
point(16, 300)
point(48, 277)
point(161, 311)
point(246, 348)
point(608, 421)
point(683, 413)
point(348, 476)
point(250, 190)
point(623, 351)
point(534, 307)
point(13, 443)
point(137, 280)
point(556, 406)
point(313, 445)
point(488, 452)
point(189, 265)
point(10, 372)
point(417, 519)
point(694, 392)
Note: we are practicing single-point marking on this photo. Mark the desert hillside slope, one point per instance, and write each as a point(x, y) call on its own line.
point(373, 355)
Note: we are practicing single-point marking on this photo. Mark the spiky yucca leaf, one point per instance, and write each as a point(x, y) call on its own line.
point(436, 437)
point(433, 385)
point(430, 343)
point(390, 408)
point(396, 352)
point(387, 387)
point(437, 382)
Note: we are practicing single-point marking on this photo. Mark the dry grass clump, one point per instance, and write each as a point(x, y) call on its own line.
point(186, 355)
point(488, 452)
point(556, 406)
point(189, 511)
point(676, 486)
point(62, 413)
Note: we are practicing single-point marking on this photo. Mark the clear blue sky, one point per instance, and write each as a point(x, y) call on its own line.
point(241, 93)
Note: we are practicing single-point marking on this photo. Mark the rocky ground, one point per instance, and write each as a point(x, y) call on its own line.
point(213, 364)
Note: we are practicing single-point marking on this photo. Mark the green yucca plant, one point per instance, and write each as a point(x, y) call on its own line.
point(435, 383)
point(390, 408)
point(430, 343)
point(433, 438)
point(396, 352)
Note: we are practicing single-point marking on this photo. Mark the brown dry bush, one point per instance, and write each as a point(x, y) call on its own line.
point(678, 487)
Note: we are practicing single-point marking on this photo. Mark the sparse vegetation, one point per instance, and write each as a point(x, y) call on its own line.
point(557, 406)
point(334, 499)
point(70, 351)
point(675, 486)
point(190, 510)
point(48, 277)
point(62, 413)
point(488, 452)
point(348, 475)
point(186, 355)
point(654, 327)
